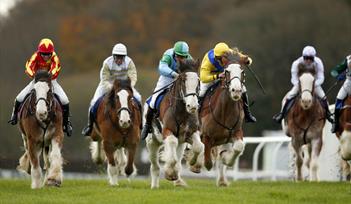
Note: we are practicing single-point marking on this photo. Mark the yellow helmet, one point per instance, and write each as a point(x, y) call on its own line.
point(220, 49)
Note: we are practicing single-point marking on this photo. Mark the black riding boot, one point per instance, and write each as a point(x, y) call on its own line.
point(67, 125)
point(280, 116)
point(148, 123)
point(13, 120)
point(328, 114)
point(335, 126)
point(249, 118)
point(89, 127)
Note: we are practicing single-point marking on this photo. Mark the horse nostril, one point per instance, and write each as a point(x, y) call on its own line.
point(233, 90)
point(128, 121)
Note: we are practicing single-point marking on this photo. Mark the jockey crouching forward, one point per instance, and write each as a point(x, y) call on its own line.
point(212, 68)
point(310, 61)
point(117, 66)
point(339, 72)
point(45, 58)
point(168, 73)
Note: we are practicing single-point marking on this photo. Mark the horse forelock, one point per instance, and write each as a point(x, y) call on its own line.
point(42, 75)
point(188, 65)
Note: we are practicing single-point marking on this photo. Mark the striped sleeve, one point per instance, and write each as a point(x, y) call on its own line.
point(30, 65)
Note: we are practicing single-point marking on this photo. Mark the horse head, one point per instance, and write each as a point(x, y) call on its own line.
point(306, 90)
point(43, 94)
point(187, 84)
point(121, 98)
point(233, 81)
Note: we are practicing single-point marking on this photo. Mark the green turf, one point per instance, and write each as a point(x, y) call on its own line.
point(199, 191)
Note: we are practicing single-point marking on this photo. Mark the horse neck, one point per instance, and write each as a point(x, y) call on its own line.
point(223, 106)
point(314, 112)
point(176, 100)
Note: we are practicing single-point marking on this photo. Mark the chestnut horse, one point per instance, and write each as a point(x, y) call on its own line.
point(304, 124)
point(178, 119)
point(41, 128)
point(344, 136)
point(117, 131)
point(222, 119)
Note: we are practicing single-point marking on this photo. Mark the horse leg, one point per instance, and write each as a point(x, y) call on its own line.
point(46, 162)
point(24, 162)
point(130, 164)
point(208, 159)
point(153, 147)
point(180, 153)
point(121, 160)
point(112, 169)
point(170, 157)
point(229, 155)
point(221, 177)
point(316, 146)
point(55, 159)
point(97, 153)
point(298, 161)
point(34, 151)
point(197, 147)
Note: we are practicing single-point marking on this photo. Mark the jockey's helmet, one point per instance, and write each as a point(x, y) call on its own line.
point(220, 49)
point(309, 51)
point(119, 49)
point(181, 48)
point(46, 46)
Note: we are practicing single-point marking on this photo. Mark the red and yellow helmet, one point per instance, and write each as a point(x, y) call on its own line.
point(46, 46)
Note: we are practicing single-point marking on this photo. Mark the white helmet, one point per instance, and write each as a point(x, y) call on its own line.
point(119, 49)
point(309, 51)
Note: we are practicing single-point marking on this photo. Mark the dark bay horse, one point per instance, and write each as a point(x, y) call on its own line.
point(178, 118)
point(116, 132)
point(41, 128)
point(222, 119)
point(344, 136)
point(304, 124)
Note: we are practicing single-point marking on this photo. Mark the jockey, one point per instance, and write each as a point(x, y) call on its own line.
point(340, 71)
point(212, 67)
point(310, 60)
point(168, 71)
point(116, 66)
point(44, 58)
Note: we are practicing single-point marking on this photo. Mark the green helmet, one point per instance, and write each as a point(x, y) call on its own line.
point(181, 48)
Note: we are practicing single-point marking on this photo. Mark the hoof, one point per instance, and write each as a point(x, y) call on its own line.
point(208, 165)
point(180, 183)
point(171, 175)
point(53, 182)
point(195, 169)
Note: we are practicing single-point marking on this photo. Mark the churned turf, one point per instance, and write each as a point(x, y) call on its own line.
point(199, 191)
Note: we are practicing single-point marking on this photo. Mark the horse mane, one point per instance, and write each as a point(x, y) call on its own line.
point(188, 65)
point(302, 68)
point(42, 75)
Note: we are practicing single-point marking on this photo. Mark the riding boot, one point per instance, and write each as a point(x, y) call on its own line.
point(249, 118)
point(328, 114)
point(280, 116)
point(201, 100)
point(87, 130)
point(338, 106)
point(67, 125)
point(13, 120)
point(148, 123)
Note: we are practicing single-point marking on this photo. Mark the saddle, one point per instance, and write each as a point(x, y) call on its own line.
point(158, 101)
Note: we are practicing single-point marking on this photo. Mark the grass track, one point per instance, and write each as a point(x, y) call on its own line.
point(199, 191)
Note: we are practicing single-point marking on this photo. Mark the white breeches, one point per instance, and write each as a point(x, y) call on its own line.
point(205, 86)
point(162, 81)
point(344, 90)
point(56, 88)
point(295, 90)
point(101, 90)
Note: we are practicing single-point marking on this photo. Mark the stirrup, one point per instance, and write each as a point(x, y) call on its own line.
point(278, 117)
point(68, 129)
point(250, 118)
point(87, 130)
point(12, 121)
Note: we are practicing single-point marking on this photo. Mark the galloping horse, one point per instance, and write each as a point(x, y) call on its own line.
point(41, 128)
point(222, 119)
point(117, 129)
point(179, 120)
point(344, 136)
point(304, 124)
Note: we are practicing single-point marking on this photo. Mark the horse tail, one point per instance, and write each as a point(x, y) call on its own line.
point(97, 153)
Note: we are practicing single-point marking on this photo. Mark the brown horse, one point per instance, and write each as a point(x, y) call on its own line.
point(41, 128)
point(117, 130)
point(344, 136)
point(304, 124)
point(179, 120)
point(222, 119)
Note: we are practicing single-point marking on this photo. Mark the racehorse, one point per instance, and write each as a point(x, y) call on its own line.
point(304, 124)
point(344, 136)
point(178, 119)
point(222, 119)
point(116, 131)
point(41, 128)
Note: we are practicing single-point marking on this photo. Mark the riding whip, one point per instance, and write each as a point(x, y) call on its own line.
point(258, 81)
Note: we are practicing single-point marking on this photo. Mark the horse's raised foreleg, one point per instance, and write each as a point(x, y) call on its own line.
point(55, 159)
point(208, 160)
point(229, 154)
point(180, 153)
point(131, 153)
point(197, 147)
point(316, 146)
point(34, 151)
point(170, 157)
point(24, 161)
point(153, 147)
point(112, 170)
